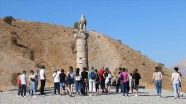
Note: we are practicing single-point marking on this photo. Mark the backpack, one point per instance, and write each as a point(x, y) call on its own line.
point(92, 75)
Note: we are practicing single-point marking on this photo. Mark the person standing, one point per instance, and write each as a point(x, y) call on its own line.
point(56, 82)
point(92, 81)
point(37, 78)
point(78, 81)
point(117, 82)
point(32, 80)
point(42, 79)
point(84, 76)
point(180, 89)
point(157, 79)
point(97, 82)
point(18, 84)
point(130, 83)
point(70, 81)
point(176, 80)
point(62, 77)
point(124, 75)
point(108, 80)
point(102, 80)
point(136, 77)
point(23, 84)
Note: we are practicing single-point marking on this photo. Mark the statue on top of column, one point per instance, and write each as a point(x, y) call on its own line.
point(82, 24)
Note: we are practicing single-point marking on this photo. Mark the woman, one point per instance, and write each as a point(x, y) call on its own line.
point(157, 79)
point(176, 80)
point(62, 77)
point(56, 82)
point(78, 81)
point(97, 81)
point(19, 84)
point(32, 80)
point(70, 81)
point(108, 80)
point(124, 75)
point(136, 77)
point(130, 83)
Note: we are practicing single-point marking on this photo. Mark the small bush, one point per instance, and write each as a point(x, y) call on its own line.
point(32, 55)
point(119, 41)
point(75, 25)
point(14, 79)
point(8, 19)
point(13, 32)
point(143, 63)
point(14, 40)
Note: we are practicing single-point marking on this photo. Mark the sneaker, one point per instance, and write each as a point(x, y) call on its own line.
point(181, 94)
point(175, 97)
point(136, 95)
point(34, 96)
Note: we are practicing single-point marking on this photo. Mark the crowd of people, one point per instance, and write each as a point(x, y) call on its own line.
point(92, 82)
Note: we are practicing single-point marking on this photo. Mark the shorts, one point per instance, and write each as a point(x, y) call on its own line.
point(107, 81)
point(70, 82)
point(136, 83)
point(62, 84)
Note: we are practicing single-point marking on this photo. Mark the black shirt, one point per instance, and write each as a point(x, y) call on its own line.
point(84, 75)
point(62, 77)
point(136, 76)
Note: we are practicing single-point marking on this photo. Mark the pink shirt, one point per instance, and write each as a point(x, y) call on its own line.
point(124, 76)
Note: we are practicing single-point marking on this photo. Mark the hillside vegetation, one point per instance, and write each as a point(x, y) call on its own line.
point(54, 46)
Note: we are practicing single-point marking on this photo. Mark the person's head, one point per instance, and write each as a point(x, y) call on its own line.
point(120, 69)
point(55, 71)
point(18, 74)
point(43, 66)
point(107, 69)
point(58, 69)
point(130, 74)
point(96, 70)
point(123, 69)
point(31, 72)
point(176, 69)
point(77, 71)
point(92, 68)
point(24, 72)
point(62, 70)
point(156, 69)
point(136, 70)
point(84, 69)
point(70, 69)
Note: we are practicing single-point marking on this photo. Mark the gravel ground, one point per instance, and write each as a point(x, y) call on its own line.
point(146, 96)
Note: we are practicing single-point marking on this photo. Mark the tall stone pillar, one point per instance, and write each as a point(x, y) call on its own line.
point(81, 44)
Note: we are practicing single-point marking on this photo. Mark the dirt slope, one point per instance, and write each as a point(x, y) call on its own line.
point(53, 46)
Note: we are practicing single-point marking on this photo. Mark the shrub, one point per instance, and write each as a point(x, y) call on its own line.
point(14, 78)
point(75, 25)
point(13, 32)
point(8, 19)
point(119, 41)
point(14, 40)
point(32, 56)
point(143, 63)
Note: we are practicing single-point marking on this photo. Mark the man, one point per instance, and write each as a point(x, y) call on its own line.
point(84, 75)
point(56, 82)
point(23, 84)
point(92, 81)
point(102, 79)
point(42, 79)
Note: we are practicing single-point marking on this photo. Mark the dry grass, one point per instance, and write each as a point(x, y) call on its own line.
point(53, 46)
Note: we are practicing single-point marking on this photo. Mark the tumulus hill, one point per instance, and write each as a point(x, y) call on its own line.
point(54, 46)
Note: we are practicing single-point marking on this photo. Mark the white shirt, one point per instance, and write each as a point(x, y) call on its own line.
point(56, 77)
point(42, 72)
point(23, 79)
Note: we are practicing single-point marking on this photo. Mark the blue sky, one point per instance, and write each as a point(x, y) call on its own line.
point(157, 28)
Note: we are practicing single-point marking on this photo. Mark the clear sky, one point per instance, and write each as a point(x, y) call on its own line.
point(157, 28)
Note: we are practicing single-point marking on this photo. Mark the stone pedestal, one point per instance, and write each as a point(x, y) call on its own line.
point(82, 50)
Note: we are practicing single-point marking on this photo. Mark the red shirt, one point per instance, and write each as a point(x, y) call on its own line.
point(101, 74)
point(18, 81)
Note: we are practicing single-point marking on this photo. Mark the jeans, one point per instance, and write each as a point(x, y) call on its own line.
point(121, 82)
point(19, 89)
point(23, 89)
point(124, 88)
point(32, 87)
point(176, 85)
point(92, 86)
point(42, 86)
point(36, 84)
point(158, 84)
point(78, 86)
point(56, 87)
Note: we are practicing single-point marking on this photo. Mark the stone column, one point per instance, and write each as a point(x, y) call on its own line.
point(82, 50)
